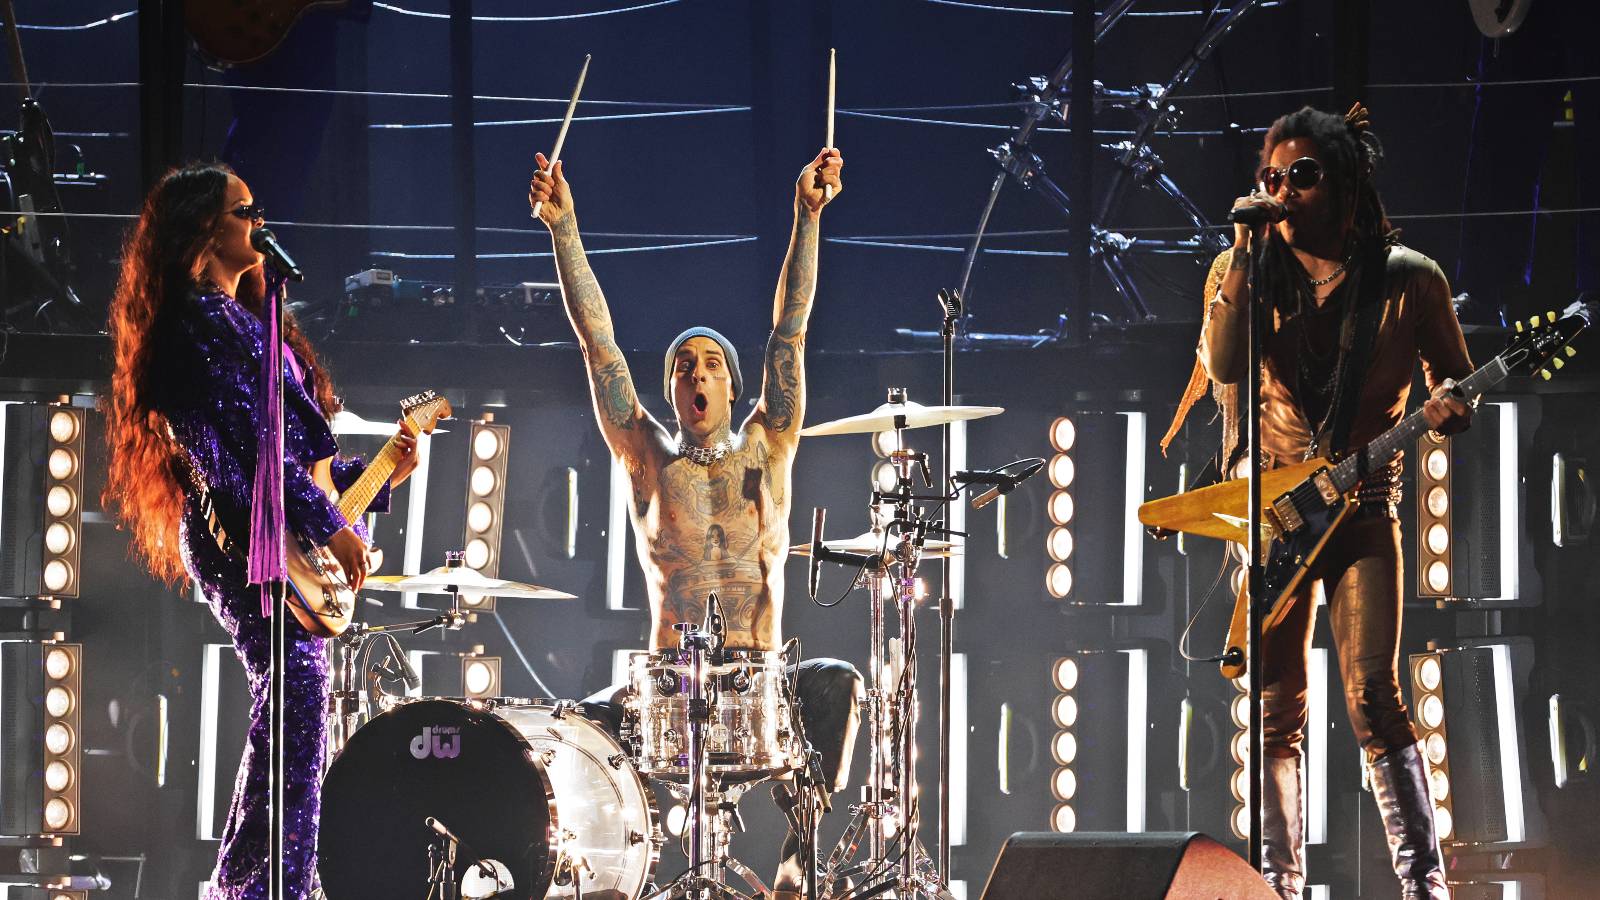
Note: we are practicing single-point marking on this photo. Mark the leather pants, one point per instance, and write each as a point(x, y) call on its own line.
point(1359, 572)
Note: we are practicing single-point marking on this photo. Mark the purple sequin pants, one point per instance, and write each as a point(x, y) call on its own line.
point(242, 862)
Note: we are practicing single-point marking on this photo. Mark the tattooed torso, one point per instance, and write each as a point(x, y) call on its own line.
point(723, 529)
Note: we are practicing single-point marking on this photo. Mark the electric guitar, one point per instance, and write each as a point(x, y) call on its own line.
point(1498, 18)
point(321, 598)
point(1303, 504)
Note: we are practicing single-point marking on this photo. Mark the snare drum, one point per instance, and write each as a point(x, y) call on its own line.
point(534, 785)
point(750, 732)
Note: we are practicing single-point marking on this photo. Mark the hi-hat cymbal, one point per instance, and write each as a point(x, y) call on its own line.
point(445, 580)
point(887, 416)
point(871, 542)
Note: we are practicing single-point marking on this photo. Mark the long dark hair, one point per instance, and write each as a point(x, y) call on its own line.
point(1351, 154)
point(162, 259)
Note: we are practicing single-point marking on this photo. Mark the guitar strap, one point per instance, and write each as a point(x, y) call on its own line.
point(1373, 275)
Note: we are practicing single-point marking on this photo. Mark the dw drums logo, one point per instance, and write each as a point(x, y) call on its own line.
point(440, 742)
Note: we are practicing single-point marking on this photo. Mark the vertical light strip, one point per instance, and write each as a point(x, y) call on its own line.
point(619, 665)
point(4, 405)
point(1003, 750)
point(1510, 753)
point(1317, 748)
point(210, 688)
point(1133, 536)
point(1510, 505)
point(572, 513)
point(1318, 892)
point(1138, 733)
point(415, 657)
point(416, 516)
point(957, 520)
point(161, 740)
point(958, 890)
point(617, 536)
point(958, 748)
point(1510, 890)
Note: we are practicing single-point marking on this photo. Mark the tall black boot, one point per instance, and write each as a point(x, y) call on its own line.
point(1400, 786)
point(1283, 825)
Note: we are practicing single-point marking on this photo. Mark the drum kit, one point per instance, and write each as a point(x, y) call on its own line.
point(529, 798)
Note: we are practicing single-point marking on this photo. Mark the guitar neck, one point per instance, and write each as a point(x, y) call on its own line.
point(353, 503)
point(1391, 443)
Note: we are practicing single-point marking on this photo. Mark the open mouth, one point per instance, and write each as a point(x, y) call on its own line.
point(700, 402)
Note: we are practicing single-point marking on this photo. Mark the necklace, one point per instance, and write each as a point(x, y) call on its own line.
point(1319, 282)
point(704, 456)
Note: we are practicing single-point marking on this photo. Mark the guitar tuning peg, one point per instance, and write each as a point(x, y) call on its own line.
point(1545, 374)
point(1559, 362)
point(1571, 352)
point(1551, 316)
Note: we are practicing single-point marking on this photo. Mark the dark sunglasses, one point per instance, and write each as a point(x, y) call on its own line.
point(249, 213)
point(1303, 175)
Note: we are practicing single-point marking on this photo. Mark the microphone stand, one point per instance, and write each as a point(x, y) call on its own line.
point(277, 694)
point(951, 305)
point(1257, 573)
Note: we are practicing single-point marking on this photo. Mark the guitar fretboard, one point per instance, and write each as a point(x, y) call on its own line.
point(1391, 443)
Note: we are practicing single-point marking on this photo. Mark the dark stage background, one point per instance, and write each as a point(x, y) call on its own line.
point(697, 116)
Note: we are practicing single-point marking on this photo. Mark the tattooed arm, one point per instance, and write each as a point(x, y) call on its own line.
point(783, 394)
point(627, 427)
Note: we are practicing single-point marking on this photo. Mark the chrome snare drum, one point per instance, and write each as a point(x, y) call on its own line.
point(534, 785)
point(750, 732)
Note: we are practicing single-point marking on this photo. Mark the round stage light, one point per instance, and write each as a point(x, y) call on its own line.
point(477, 554)
point(1438, 501)
point(1240, 822)
point(1065, 710)
point(677, 816)
point(1063, 819)
point(58, 663)
point(58, 738)
point(1430, 673)
point(57, 814)
point(60, 501)
point(1437, 538)
point(1439, 783)
point(1065, 673)
point(1062, 471)
point(1059, 580)
point(483, 481)
point(57, 776)
point(1061, 507)
point(1239, 783)
point(884, 443)
point(485, 444)
point(1063, 434)
point(1060, 542)
point(884, 476)
point(1064, 748)
point(1443, 822)
point(57, 575)
point(58, 538)
point(479, 678)
point(1438, 576)
point(1436, 463)
point(63, 426)
point(1064, 785)
point(479, 517)
point(1240, 710)
point(58, 701)
point(1240, 747)
point(1434, 746)
point(1236, 580)
point(63, 463)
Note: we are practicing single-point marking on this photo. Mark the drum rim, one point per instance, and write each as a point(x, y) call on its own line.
point(552, 848)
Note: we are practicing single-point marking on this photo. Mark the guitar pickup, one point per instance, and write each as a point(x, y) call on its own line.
point(1285, 518)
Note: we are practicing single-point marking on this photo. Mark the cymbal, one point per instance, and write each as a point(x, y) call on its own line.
point(444, 580)
point(871, 542)
point(916, 416)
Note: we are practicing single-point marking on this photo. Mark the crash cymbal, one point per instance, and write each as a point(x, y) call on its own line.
point(871, 542)
point(887, 416)
point(445, 580)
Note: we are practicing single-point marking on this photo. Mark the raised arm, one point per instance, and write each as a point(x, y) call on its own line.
point(783, 389)
point(628, 428)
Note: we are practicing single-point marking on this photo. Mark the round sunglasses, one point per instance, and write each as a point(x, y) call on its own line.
point(1303, 174)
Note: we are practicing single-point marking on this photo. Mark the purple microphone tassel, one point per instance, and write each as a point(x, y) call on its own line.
point(267, 561)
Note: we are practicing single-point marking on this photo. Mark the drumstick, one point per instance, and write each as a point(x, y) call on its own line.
point(827, 189)
point(561, 136)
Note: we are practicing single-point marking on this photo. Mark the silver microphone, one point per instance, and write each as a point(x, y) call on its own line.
point(440, 829)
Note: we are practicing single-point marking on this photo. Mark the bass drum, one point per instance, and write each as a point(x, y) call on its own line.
point(533, 785)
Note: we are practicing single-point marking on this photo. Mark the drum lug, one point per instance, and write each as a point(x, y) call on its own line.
point(617, 762)
point(634, 837)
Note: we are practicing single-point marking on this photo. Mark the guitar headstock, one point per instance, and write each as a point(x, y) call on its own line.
point(1544, 343)
point(424, 410)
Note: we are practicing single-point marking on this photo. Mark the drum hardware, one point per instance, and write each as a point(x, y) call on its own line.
point(441, 860)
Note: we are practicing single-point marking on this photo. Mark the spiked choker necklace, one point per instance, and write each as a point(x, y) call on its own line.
point(704, 456)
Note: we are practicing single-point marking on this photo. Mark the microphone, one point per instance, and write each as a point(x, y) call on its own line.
point(407, 673)
point(266, 244)
point(1257, 215)
point(440, 829)
point(1008, 483)
point(818, 517)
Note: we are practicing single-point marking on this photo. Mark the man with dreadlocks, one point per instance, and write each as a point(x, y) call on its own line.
point(1349, 311)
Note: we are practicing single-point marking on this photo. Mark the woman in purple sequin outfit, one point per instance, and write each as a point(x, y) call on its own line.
point(182, 419)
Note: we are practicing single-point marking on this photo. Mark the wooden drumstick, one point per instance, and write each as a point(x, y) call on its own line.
point(827, 189)
point(561, 136)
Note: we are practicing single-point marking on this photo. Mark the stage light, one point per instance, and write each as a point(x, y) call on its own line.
point(1240, 709)
point(1065, 711)
point(41, 480)
point(676, 817)
point(1429, 673)
point(1061, 544)
point(64, 426)
point(59, 538)
point(1239, 784)
point(63, 464)
point(1061, 507)
point(486, 498)
point(57, 576)
point(1470, 523)
point(884, 476)
point(1062, 470)
point(58, 738)
point(58, 815)
point(1063, 434)
point(1065, 673)
point(1439, 784)
point(1064, 748)
point(884, 443)
point(58, 701)
point(60, 501)
point(1240, 747)
point(40, 685)
point(1240, 822)
point(1064, 785)
point(1432, 711)
point(1438, 501)
point(1435, 748)
point(1444, 822)
point(1063, 819)
point(1059, 580)
point(58, 663)
point(1436, 462)
point(1437, 538)
point(480, 676)
point(57, 776)
point(1438, 578)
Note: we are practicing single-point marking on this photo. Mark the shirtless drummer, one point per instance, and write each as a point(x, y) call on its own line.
point(710, 506)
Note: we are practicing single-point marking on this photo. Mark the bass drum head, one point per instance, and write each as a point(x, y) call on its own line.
point(460, 764)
